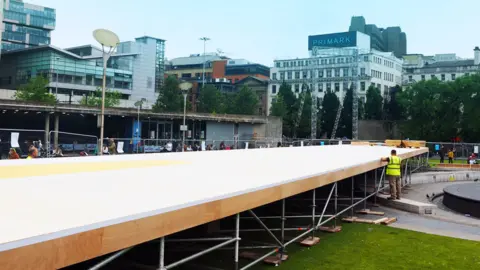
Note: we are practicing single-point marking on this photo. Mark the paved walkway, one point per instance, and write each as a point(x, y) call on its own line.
point(431, 225)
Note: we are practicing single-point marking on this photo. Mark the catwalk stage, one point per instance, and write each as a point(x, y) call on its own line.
point(58, 212)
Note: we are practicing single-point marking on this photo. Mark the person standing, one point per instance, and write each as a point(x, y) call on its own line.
point(393, 173)
point(441, 153)
point(450, 156)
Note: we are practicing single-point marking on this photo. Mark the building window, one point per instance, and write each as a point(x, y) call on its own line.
point(453, 77)
point(331, 61)
point(362, 86)
point(329, 87)
point(329, 73)
point(362, 99)
point(362, 72)
point(365, 58)
point(277, 64)
point(354, 72)
point(285, 64)
point(345, 86)
point(379, 86)
point(339, 60)
point(433, 76)
point(274, 76)
point(345, 72)
point(300, 63)
point(385, 90)
point(320, 100)
point(304, 74)
point(324, 61)
point(443, 77)
point(320, 87)
point(410, 78)
point(293, 64)
point(320, 73)
point(297, 88)
point(289, 75)
point(297, 74)
point(337, 72)
point(282, 76)
point(337, 87)
point(423, 77)
point(274, 89)
point(310, 86)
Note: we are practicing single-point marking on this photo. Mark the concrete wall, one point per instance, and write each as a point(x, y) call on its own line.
point(377, 130)
point(245, 132)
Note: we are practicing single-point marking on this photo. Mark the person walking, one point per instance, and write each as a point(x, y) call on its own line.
point(393, 173)
point(441, 153)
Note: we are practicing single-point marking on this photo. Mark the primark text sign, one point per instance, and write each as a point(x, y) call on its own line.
point(336, 40)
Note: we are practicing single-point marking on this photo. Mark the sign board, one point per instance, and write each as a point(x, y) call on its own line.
point(152, 149)
point(437, 147)
point(183, 128)
point(475, 149)
point(14, 139)
point(335, 40)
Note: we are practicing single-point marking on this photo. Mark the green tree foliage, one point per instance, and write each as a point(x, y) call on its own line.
point(391, 108)
point(329, 112)
point(278, 108)
point(245, 102)
point(290, 100)
point(36, 90)
point(432, 109)
point(373, 105)
point(304, 127)
point(345, 124)
point(211, 100)
point(112, 98)
point(468, 90)
point(170, 98)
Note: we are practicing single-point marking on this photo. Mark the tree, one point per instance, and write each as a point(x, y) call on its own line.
point(246, 101)
point(468, 89)
point(433, 111)
point(170, 98)
point(290, 100)
point(345, 124)
point(373, 105)
point(36, 90)
point(392, 110)
point(329, 110)
point(210, 100)
point(112, 98)
point(305, 125)
point(278, 108)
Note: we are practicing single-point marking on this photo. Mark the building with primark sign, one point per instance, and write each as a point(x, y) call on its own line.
point(337, 62)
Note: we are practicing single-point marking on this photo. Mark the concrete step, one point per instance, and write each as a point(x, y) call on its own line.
point(408, 205)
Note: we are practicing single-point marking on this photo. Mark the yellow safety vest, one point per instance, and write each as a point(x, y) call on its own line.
point(393, 167)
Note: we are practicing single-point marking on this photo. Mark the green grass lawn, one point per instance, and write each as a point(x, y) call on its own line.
point(364, 246)
point(434, 162)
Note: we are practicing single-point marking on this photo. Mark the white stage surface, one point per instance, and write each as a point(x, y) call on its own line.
point(57, 212)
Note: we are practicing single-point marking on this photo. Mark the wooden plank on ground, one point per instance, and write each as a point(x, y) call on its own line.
point(369, 212)
point(380, 220)
point(310, 241)
point(331, 229)
point(389, 221)
point(349, 219)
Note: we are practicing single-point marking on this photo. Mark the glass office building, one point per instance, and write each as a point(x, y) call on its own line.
point(135, 70)
point(26, 25)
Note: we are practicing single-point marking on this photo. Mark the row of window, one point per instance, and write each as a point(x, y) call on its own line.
point(320, 73)
point(324, 86)
point(328, 61)
point(20, 7)
point(453, 77)
point(388, 77)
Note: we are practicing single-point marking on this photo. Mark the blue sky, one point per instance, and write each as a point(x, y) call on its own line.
point(264, 30)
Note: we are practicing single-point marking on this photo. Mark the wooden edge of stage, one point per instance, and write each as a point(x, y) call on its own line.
point(72, 249)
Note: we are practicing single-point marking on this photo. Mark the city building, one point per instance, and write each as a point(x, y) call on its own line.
point(337, 62)
point(239, 69)
point(227, 75)
point(136, 70)
point(25, 25)
point(390, 39)
point(444, 67)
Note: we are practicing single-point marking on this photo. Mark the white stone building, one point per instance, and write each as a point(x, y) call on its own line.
point(445, 67)
point(342, 60)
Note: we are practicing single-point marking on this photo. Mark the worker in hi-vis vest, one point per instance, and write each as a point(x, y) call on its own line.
point(393, 173)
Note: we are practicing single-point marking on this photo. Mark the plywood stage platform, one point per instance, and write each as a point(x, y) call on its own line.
point(57, 212)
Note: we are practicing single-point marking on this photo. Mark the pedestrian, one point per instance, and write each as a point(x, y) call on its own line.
point(441, 153)
point(12, 154)
point(450, 156)
point(393, 173)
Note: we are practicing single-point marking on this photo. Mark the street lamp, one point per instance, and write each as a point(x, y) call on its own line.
point(110, 40)
point(139, 104)
point(204, 39)
point(185, 87)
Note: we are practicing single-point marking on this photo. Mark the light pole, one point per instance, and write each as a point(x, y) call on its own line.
point(139, 104)
point(110, 40)
point(185, 87)
point(204, 39)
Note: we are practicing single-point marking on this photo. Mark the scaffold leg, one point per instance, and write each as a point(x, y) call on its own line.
point(237, 236)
